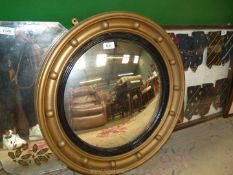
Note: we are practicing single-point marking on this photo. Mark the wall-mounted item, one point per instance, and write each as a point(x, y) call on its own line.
point(208, 70)
point(108, 94)
point(214, 50)
point(229, 102)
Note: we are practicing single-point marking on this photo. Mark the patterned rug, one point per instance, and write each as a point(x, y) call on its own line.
point(121, 131)
point(115, 130)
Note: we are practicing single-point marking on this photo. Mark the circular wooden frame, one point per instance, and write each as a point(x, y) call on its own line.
point(54, 66)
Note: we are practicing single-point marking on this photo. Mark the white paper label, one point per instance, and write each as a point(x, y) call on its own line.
point(109, 45)
point(7, 31)
point(223, 32)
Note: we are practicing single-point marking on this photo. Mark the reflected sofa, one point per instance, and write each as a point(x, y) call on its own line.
point(88, 109)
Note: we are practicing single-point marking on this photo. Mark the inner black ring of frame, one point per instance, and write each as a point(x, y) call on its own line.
point(164, 83)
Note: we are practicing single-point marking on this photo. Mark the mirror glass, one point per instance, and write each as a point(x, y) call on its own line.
point(112, 93)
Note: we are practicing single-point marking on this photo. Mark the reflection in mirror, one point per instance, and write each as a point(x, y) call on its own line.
point(112, 93)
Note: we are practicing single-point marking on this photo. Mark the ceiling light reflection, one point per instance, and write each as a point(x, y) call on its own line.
point(101, 60)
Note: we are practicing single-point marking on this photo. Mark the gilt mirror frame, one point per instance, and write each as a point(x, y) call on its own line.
point(52, 71)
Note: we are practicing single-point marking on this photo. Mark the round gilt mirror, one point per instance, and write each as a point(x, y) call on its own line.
point(108, 94)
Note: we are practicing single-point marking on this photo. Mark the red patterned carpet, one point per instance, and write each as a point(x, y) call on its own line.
point(119, 129)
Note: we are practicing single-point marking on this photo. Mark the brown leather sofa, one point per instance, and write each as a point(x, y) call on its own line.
point(88, 110)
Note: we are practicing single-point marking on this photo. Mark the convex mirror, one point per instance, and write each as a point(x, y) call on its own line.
point(109, 93)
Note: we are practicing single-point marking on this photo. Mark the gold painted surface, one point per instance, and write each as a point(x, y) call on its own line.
point(57, 60)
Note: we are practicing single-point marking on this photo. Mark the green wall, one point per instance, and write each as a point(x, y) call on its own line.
point(164, 12)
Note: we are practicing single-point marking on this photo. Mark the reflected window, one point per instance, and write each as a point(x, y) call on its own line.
point(125, 59)
point(136, 59)
point(101, 60)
